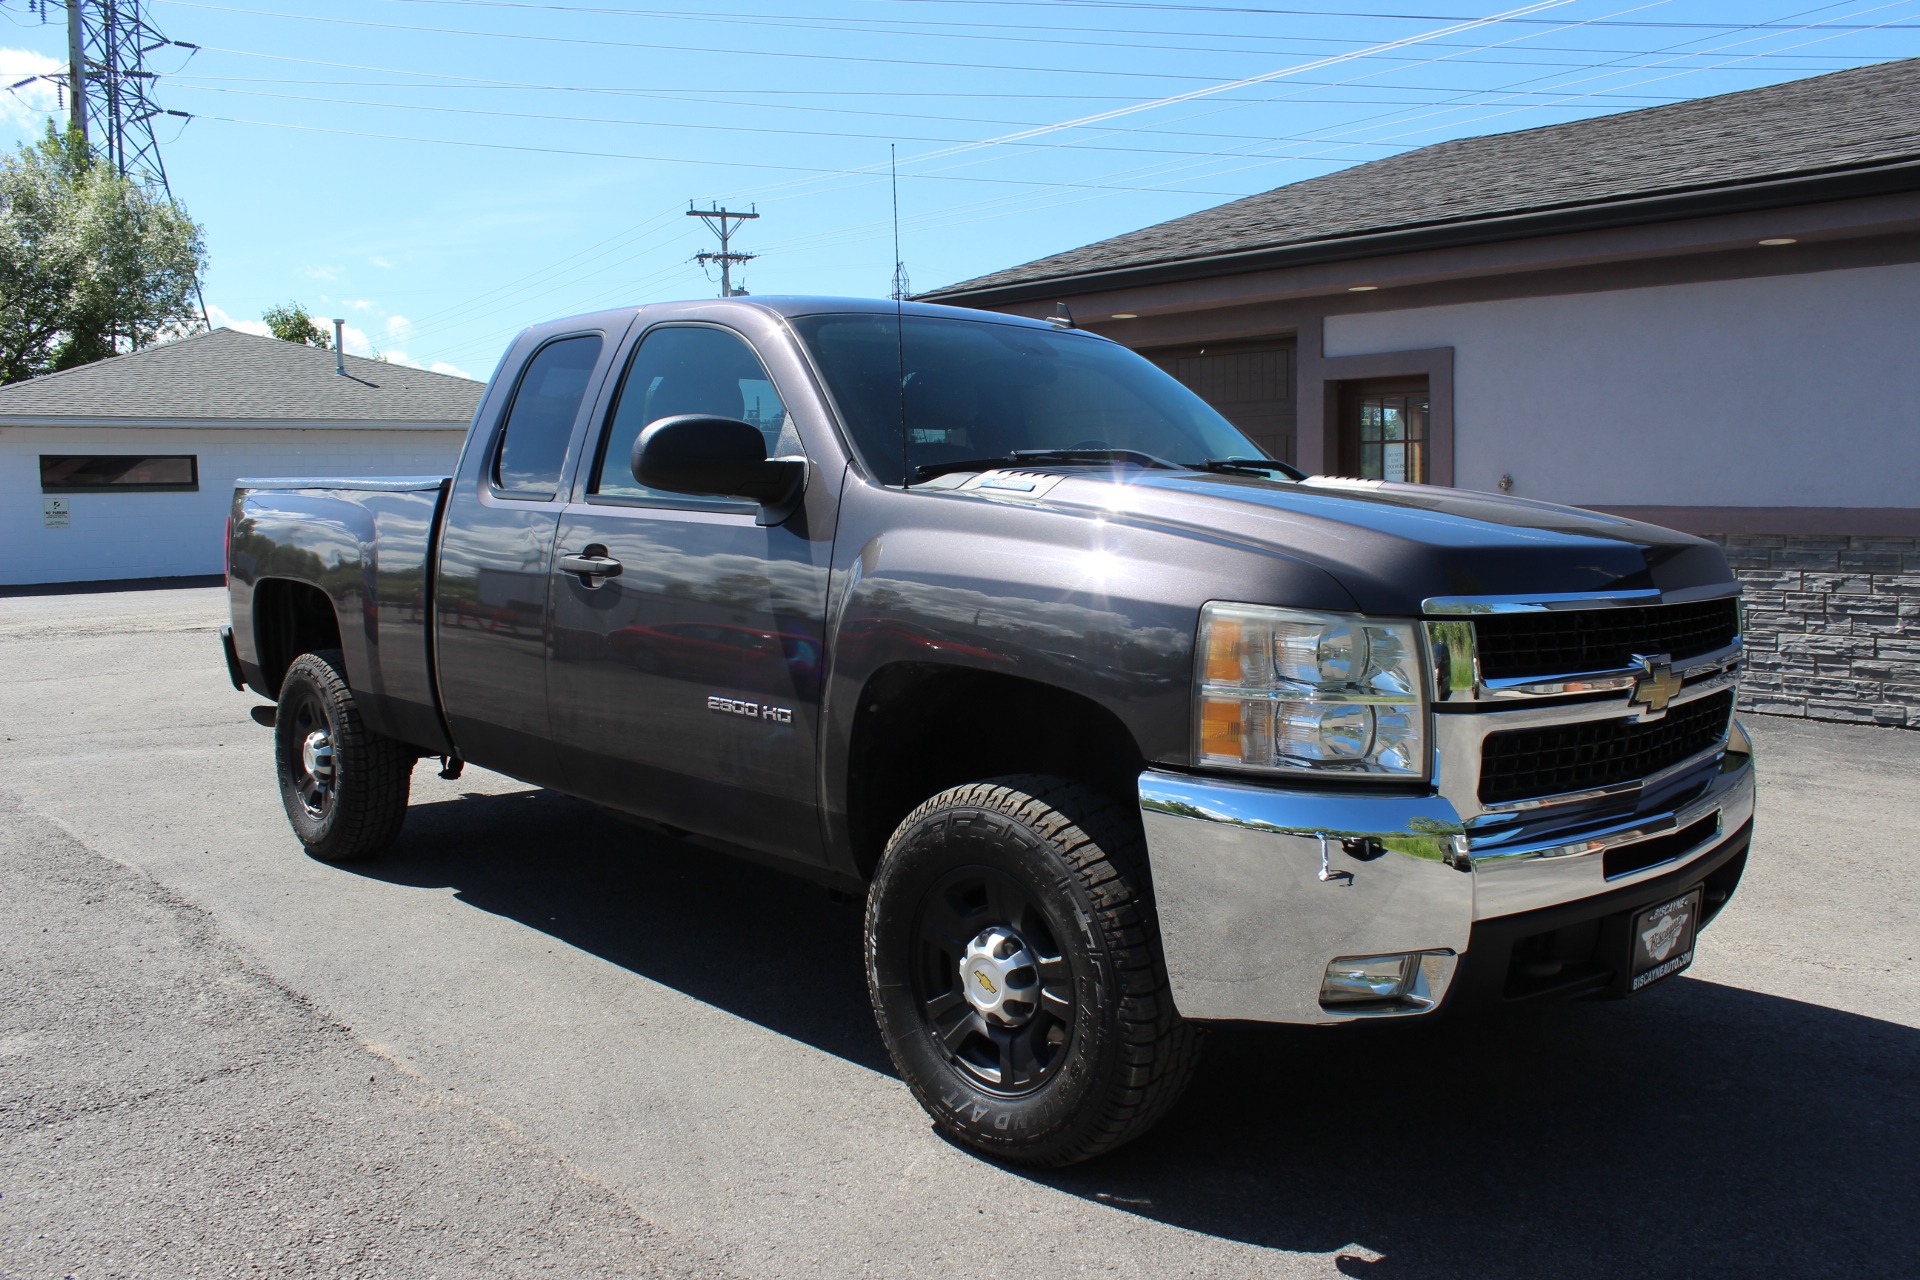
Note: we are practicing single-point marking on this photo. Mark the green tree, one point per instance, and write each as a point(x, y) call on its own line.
point(291, 323)
point(91, 263)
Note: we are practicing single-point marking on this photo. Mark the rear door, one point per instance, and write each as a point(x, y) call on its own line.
point(495, 551)
point(686, 687)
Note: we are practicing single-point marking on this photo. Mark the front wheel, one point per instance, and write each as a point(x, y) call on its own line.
point(1015, 971)
point(344, 786)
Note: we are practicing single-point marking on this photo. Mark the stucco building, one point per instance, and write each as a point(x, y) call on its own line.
point(124, 468)
point(1706, 315)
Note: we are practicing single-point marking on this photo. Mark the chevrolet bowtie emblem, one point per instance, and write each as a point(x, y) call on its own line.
point(1656, 686)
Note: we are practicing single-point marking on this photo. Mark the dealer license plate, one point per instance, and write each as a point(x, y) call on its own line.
point(1663, 939)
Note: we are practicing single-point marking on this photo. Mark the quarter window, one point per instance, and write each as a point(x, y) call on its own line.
point(533, 446)
point(688, 369)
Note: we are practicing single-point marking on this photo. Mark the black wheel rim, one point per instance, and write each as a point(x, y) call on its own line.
point(1012, 1041)
point(310, 763)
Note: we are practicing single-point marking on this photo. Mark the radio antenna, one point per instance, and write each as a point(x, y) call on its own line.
point(899, 316)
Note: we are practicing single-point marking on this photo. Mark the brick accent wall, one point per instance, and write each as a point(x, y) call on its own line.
point(1833, 626)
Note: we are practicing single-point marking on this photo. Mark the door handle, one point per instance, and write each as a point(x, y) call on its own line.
point(591, 565)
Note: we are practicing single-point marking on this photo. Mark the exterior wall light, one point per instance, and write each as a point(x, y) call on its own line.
point(1362, 288)
point(1125, 315)
point(1780, 240)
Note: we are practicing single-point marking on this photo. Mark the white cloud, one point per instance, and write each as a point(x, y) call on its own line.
point(361, 304)
point(328, 274)
point(27, 107)
point(358, 344)
point(221, 320)
point(380, 262)
point(357, 341)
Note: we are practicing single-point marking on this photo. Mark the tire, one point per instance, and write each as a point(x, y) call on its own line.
point(351, 805)
point(1058, 869)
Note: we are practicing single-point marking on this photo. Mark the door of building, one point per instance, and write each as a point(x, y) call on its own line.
point(1250, 384)
point(1384, 430)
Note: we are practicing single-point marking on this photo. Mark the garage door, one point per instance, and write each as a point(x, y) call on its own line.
point(1249, 383)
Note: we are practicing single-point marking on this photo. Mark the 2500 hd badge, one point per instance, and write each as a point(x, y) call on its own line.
point(751, 710)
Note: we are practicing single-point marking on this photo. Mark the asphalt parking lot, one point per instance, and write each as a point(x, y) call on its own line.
point(536, 1042)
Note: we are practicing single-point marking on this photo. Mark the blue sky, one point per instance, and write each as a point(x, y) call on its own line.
point(443, 172)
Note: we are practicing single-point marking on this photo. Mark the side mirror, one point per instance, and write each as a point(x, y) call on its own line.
point(717, 457)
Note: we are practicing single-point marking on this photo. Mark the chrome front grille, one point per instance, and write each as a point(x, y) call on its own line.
point(1563, 703)
point(1550, 643)
point(1589, 755)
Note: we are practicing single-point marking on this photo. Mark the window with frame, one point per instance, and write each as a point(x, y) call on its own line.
point(119, 473)
point(1384, 431)
point(533, 444)
point(679, 369)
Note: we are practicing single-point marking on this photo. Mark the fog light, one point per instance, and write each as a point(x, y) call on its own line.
point(1357, 979)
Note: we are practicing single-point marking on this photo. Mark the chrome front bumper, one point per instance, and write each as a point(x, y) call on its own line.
point(1259, 889)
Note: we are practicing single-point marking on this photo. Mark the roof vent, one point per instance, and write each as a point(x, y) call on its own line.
point(340, 346)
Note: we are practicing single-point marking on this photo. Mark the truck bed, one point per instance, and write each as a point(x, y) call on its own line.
point(365, 545)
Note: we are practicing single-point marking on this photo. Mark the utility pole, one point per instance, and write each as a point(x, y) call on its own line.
point(720, 222)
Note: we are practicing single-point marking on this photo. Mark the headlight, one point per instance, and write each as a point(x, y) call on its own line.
point(1321, 693)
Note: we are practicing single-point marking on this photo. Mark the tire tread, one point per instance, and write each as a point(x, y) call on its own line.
point(369, 813)
point(1099, 838)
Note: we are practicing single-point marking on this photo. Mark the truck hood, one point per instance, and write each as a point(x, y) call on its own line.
point(1393, 545)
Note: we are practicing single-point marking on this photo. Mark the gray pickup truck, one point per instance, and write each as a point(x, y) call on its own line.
point(1119, 726)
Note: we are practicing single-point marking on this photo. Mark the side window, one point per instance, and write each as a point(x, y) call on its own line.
point(533, 446)
point(687, 369)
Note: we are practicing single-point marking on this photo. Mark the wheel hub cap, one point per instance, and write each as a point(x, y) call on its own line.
point(316, 756)
point(999, 976)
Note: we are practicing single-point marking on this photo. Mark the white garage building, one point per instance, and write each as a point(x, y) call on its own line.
point(124, 468)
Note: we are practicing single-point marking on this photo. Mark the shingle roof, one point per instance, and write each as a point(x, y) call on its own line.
point(227, 374)
point(1841, 121)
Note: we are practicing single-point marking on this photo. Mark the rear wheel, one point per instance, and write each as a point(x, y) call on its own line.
point(343, 785)
point(1015, 971)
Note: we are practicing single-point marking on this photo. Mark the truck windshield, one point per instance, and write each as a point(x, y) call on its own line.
point(978, 390)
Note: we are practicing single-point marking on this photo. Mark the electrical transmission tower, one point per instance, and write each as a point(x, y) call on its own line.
point(720, 222)
point(107, 86)
point(109, 90)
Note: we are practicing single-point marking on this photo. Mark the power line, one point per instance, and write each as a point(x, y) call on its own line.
point(1042, 190)
point(1027, 203)
point(761, 130)
point(625, 155)
point(976, 31)
point(943, 64)
point(1261, 11)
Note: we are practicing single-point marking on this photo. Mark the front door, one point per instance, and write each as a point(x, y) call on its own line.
point(686, 687)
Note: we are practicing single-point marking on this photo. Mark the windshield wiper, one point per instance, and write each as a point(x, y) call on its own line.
point(1248, 467)
point(928, 470)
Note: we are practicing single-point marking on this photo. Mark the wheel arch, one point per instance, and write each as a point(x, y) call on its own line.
point(290, 618)
point(922, 727)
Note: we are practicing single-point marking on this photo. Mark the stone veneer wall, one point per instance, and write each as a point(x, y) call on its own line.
point(1832, 626)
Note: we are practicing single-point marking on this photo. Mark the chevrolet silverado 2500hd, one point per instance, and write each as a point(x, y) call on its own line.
point(1119, 726)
